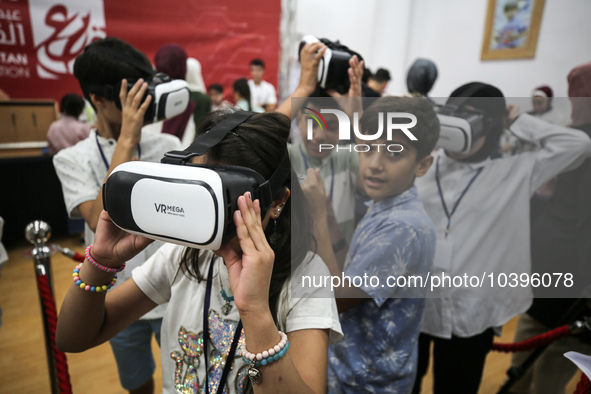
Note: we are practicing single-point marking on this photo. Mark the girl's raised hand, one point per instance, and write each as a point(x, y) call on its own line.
point(112, 246)
point(250, 273)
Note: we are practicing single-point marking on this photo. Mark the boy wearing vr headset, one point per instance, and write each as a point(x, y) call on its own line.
point(103, 74)
point(480, 208)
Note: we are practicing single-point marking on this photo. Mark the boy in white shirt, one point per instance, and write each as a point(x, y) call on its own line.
point(480, 208)
point(83, 168)
point(262, 93)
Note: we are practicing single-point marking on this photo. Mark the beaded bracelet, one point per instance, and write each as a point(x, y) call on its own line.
point(96, 264)
point(264, 358)
point(94, 289)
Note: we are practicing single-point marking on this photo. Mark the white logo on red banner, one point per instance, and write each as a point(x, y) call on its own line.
point(61, 30)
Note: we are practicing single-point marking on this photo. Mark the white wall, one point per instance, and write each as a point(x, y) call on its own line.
point(450, 33)
point(392, 33)
point(377, 29)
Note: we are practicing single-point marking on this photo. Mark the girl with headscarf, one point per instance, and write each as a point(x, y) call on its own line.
point(171, 59)
point(421, 77)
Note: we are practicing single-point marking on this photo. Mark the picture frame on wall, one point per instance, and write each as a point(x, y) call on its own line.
point(511, 29)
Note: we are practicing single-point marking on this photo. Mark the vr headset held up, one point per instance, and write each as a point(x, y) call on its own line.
point(334, 65)
point(170, 97)
point(184, 203)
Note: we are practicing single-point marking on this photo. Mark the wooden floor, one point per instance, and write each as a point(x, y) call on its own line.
point(23, 363)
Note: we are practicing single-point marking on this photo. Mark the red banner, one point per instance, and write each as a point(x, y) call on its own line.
point(39, 39)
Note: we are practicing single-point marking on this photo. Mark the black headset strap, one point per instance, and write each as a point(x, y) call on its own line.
point(209, 139)
point(214, 136)
point(279, 176)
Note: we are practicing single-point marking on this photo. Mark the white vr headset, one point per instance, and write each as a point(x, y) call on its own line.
point(184, 203)
point(333, 67)
point(170, 97)
point(460, 128)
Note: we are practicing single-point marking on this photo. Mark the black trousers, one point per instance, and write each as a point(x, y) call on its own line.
point(457, 362)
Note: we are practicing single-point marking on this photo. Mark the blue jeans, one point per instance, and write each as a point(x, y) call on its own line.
point(132, 348)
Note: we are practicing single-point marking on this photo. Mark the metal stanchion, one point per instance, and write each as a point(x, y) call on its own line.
point(38, 233)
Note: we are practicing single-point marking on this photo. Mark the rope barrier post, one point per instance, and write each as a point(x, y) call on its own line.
point(514, 374)
point(38, 233)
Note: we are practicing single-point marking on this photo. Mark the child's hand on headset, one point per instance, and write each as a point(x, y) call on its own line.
point(310, 57)
point(113, 246)
point(249, 273)
point(133, 111)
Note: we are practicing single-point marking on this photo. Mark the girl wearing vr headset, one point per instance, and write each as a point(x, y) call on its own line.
point(222, 304)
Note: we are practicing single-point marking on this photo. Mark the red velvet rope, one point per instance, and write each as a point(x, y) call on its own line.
point(532, 343)
point(51, 314)
point(584, 386)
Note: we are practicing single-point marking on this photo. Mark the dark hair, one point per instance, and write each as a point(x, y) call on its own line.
point(426, 129)
point(489, 100)
point(72, 104)
point(241, 86)
point(257, 62)
point(217, 87)
point(260, 143)
point(366, 74)
point(94, 68)
point(382, 75)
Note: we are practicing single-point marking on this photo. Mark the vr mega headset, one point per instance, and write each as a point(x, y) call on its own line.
point(184, 203)
point(334, 65)
point(170, 97)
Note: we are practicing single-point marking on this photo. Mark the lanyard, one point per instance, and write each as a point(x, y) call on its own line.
point(447, 213)
point(139, 152)
point(331, 171)
point(230, 357)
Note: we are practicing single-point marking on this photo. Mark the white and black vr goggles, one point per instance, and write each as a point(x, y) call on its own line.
point(460, 127)
point(184, 203)
point(333, 67)
point(170, 97)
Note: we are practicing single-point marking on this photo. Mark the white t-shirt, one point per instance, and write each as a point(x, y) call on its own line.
point(82, 171)
point(182, 328)
point(262, 94)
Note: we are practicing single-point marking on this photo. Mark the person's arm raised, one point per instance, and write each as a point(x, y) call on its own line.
point(303, 368)
point(86, 318)
point(309, 59)
point(132, 112)
point(353, 103)
point(562, 148)
point(346, 296)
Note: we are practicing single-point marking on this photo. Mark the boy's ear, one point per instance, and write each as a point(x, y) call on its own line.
point(97, 101)
point(423, 166)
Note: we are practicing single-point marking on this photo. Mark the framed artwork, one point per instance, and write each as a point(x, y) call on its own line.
point(511, 29)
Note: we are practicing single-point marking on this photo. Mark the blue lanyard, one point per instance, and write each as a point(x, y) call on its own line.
point(331, 171)
point(139, 152)
point(237, 333)
point(447, 213)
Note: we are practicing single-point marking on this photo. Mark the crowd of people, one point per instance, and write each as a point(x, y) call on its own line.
point(239, 319)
